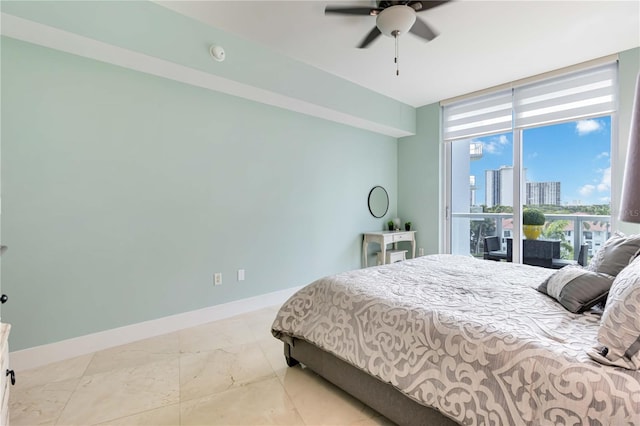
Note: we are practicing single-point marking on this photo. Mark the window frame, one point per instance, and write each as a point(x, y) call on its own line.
point(517, 133)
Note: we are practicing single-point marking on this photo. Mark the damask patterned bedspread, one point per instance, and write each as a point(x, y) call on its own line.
point(472, 338)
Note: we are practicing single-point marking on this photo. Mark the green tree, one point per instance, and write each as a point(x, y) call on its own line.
point(497, 209)
point(479, 230)
point(554, 230)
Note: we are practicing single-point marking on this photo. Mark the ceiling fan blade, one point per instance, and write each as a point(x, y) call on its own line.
point(421, 29)
point(373, 34)
point(351, 10)
point(421, 6)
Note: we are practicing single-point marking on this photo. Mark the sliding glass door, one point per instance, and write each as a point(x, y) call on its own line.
point(481, 192)
point(544, 146)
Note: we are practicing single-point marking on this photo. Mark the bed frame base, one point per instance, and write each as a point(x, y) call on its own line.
point(381, 396)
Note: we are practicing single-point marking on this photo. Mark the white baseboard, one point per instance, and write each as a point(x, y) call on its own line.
point(41, 355)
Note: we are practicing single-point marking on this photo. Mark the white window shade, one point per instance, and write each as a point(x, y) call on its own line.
point(570, 97)
point(479, 116)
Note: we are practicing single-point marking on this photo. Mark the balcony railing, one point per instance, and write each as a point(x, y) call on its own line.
point(593, 230)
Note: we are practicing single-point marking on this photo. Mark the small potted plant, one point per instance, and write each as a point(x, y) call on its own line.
point(407, 226)
point(532, 222)
point(390, 224)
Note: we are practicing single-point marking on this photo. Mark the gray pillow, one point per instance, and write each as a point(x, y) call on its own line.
point(616, 253)
point(619, 332)
point(576, 288)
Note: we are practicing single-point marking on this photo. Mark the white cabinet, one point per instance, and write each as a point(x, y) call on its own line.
point(387, 237)
point(5, 378)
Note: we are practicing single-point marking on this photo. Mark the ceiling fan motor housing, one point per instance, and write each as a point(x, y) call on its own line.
point(394, 19)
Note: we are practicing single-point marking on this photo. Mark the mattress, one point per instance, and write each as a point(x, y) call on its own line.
point(473, 339)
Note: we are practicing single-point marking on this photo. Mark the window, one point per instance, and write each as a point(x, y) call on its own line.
point(545, 145)
point(572, 200)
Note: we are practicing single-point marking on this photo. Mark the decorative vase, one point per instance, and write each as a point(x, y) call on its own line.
point(390, 227)
point(532, 232)
point(407, 227)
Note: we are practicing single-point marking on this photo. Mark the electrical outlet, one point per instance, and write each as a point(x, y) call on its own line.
point(240, 274)
point(217, 278)
point(420, 251)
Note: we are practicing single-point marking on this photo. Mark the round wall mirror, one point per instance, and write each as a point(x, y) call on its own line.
point(378, 201)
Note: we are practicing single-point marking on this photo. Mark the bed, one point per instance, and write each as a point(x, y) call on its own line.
point(447, 339)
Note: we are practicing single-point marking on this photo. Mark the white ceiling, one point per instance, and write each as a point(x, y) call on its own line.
point(481, 43)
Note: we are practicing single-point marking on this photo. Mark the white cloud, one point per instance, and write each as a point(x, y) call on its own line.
point(494, 145)
point(601, 183)
point(605, 181)
point(586, 190)
point(602, 155)
point(584, 127)
point(489, 147)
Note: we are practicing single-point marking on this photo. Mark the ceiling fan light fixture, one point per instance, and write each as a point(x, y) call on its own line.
point(396, 20)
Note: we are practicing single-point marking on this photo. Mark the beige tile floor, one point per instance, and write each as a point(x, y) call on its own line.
point(229, 372)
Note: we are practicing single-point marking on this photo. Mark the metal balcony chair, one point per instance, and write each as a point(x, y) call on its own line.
point(492, 249)
point(582, 259)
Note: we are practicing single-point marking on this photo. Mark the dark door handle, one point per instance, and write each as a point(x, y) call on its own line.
point(4, 298)
point(13, 376)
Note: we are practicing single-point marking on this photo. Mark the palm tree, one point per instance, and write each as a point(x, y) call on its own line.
point(555, 230)
point(479, 230)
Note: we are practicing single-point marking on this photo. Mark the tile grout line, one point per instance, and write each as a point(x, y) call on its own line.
point(293, 403)
point(93, 354)
point(249, 322)
point(108, 373)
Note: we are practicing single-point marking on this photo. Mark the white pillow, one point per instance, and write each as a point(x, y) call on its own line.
point(616, 253)
point(619, 333)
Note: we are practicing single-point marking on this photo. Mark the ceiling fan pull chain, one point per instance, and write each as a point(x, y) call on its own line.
point(396, 58)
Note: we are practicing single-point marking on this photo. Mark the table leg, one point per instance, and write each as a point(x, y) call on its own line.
point(365, 246)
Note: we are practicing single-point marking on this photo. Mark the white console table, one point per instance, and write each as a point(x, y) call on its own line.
point(7, 377)
point(387, 237)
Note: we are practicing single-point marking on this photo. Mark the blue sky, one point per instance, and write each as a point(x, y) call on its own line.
point(577, 154)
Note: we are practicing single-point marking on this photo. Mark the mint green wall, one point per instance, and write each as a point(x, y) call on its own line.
point(419, 178)
point(123, 193)
point(146, 27)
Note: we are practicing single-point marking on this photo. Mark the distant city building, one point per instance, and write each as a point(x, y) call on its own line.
point(472, 190)
point(475, 153)
point(499, 189)
point(499, 186)
point(539, 193)
point(492, 187)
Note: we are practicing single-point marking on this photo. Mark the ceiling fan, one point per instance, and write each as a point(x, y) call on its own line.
point(393, 18)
